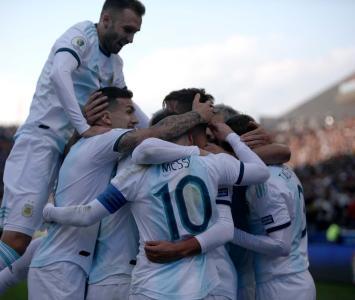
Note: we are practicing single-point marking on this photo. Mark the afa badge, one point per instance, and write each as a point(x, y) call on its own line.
point(27, 210)
point(79, 43)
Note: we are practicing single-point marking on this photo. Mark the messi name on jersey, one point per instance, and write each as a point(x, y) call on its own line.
point(176, 165)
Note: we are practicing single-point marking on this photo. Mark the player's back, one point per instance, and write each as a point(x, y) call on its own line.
point(174, 201)
point(282, 199)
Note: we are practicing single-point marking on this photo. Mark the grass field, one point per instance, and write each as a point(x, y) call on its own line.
point(325, 291)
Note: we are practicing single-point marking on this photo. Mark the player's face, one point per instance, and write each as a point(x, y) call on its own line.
point(124, 115)
point(121, 28)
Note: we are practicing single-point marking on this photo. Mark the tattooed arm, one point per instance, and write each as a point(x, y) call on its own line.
point(170, 127)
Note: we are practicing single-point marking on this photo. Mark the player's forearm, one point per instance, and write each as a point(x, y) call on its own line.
point(254, 170)
point(157, 151)
point(219, 233)
point(276, 246)
point(79, 215)
point(167, 129)
point(273, 153)
point(63, 66)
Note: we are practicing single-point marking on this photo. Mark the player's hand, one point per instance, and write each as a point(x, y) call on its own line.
point(205, 110)
point(161, 251)
point(94, 130)
point(94, 109)
point(220, 130)
point(47, 212)
point(257, 137)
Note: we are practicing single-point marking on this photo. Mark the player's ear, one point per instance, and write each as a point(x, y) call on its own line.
point(106, 19)
point(106, 118)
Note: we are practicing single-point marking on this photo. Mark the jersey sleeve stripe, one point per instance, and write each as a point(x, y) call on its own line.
point(224, 202)
point(241, 173)
point(279, 227)
point(72, 52)
point(112, 199)
point(115, 146)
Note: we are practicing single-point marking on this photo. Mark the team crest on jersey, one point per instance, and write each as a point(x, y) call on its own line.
point(27, 210)
point(78, 43)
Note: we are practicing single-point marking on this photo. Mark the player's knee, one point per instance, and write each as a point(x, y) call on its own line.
point(16, 240)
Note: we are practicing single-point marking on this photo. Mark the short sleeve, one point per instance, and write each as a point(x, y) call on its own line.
point(74, 42)
point(230, 169)
point(106, 145)
point(269, 200)
point(224, 195)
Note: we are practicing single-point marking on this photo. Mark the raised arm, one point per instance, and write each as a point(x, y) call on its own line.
point(157, 151)
point(263, 145)
point(170, 127)
point(251, 168)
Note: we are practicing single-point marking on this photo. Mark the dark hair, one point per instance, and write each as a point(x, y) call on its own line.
point(240, 124)
point(112, 93)
point(225, 110)
point(134, 5)
point(185, 98)
point(160, 115)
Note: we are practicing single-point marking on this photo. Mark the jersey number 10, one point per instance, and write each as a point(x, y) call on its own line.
point(190, 227)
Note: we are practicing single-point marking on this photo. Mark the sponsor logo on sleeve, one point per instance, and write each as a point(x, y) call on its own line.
point(79, 43)
point(267, 220)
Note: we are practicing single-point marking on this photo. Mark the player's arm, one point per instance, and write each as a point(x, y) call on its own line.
point(263, 145)
point(64, 63)
point(269, 202)
point(249, 169)
point(170, 127)
point(277, 243)
point(157, 151)
point(108, 202)
point(217, 235)
point(105, 204)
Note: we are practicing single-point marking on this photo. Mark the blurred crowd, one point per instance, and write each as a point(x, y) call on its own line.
point(6, 142)
point(323, 157)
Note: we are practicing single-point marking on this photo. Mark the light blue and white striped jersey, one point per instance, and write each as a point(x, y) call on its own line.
point(117, 244)
point(174, 201)
point(95, 70)
point(85, 173)
point(274, 205)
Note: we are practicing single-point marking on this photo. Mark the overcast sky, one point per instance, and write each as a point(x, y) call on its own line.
point(261, 57)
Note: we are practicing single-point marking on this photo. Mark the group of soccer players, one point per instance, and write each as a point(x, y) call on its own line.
point(195, 205)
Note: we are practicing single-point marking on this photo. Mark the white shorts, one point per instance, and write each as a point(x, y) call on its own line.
point(29, 175)
point(108, 292)
point(58, 281)
point(291, 287)
point(114, 287)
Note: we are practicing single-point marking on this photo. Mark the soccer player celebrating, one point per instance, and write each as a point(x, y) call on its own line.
point(278, 232)
point(81, 61)
point(86, 172)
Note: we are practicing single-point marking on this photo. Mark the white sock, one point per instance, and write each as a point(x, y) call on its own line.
point(19, 269)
